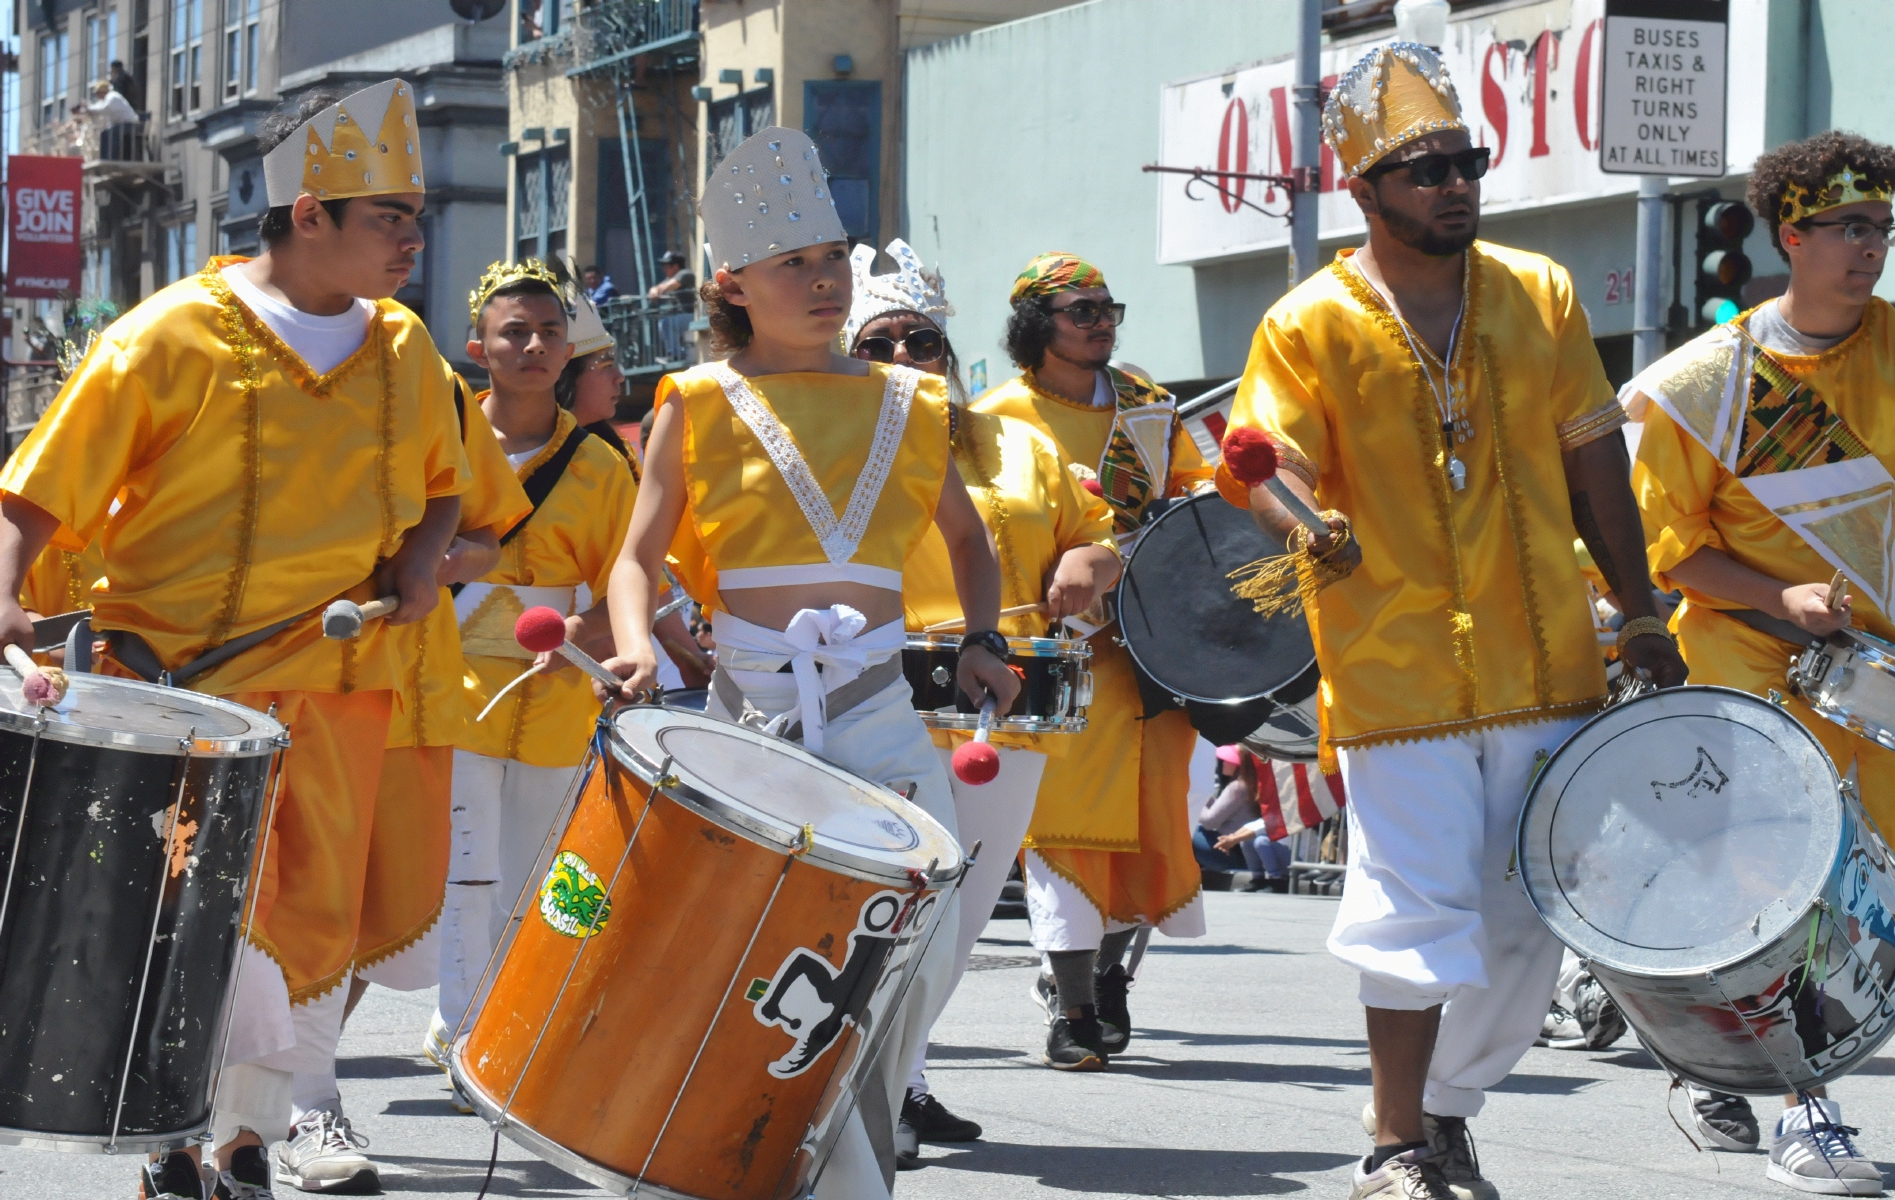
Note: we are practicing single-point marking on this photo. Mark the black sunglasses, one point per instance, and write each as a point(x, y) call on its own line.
point(924, 346)
point(1431, 170)
point(1085, 314)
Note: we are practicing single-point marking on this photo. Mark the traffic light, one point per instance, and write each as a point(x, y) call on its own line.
point(1723, 267)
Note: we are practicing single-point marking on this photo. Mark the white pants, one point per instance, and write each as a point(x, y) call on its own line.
point(1063, 919)
point(501, 814)
point(271, 1041)
point(996, 815)
point(881, 739)
point(1428, 915)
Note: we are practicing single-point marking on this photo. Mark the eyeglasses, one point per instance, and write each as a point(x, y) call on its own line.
point(1431, 170)
point(1086, 314)
point(1859, 233)
point(923, 346)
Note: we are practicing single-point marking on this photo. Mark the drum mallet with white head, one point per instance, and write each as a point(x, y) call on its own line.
point(1252, 459)
point(976, 763)
point(343, 619)
point(43, 686)
point(542, 630)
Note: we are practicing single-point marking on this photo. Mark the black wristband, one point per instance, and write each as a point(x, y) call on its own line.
point(990, 640)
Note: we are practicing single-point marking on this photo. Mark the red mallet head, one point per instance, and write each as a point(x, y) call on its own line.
point(1250, 455)
point(1092, 485)
point(540, 630)
point(976, 763)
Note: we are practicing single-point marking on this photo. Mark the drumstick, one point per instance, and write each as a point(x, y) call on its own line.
point(343, 619)
point(542, 630)
point(1838, 589)
point(976, 762)
point(1018, 610)
point(517, 681)
point(44, 686)
point(1251, 458)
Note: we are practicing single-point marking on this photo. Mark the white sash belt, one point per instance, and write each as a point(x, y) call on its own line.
point(825, 647)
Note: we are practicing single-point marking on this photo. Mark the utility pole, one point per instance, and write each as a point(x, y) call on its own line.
point(1306, 141)
point(1648, 331)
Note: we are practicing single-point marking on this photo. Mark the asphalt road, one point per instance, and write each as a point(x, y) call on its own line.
point(1246, 1078)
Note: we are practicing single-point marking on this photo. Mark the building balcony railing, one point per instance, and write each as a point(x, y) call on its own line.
point(605, 33)
point(653, 336)
point(130, 143)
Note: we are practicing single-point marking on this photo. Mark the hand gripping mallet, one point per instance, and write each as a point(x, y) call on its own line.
point(1252, 459)
point(976, 762)
point(42, 686)
point(343, 619)
point(543, 630)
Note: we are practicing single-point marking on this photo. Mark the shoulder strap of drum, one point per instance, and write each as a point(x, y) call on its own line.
point(539, 485)
point(460, 406)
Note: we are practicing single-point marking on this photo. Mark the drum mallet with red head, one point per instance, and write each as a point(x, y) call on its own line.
point(542, 630)
point(1252, 459)
point(343, 619)
point(43, 686)
point(976, 762)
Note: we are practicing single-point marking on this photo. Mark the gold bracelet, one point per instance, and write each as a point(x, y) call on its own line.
point(1639, 627)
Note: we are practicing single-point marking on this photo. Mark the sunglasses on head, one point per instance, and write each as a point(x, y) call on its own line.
point(1431, 170)
point(923, 346)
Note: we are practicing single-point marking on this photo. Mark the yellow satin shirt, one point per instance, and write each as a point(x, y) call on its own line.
point(572, 539)
point(1027, 495)
point(253, 489)
point(742, 514)
point(1081, 431)
point(430, 706)
point(60, 581)
point(1468, 609)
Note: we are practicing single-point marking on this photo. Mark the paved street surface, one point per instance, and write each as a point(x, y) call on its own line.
point(1248, 1077)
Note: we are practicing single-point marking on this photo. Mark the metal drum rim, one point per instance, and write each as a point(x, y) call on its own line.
point(1124, 634)
point(262, 742)
point(82, 1143)
point(961, 722)
point(1021, 647)
point(772, 837)
point(1647, 972)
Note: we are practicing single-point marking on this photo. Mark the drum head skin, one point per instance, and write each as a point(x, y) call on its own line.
point(1681, 831)
point(130, 714)
point(770, 789)
point(1184, 626)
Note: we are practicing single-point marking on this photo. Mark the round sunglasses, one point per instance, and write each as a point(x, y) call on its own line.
point(923, 346)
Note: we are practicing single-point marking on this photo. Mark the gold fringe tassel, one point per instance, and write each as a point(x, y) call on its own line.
point(1286, 584)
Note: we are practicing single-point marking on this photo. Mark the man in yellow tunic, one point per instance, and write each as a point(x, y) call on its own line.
point(1446, 396)
point(1753, 534)
point(512, 770)
point(283, 435)
point(1110, 841)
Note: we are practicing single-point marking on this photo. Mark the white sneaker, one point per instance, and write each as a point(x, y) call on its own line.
point(439, 1037)
point(324, 1154)
point(1813, 1153)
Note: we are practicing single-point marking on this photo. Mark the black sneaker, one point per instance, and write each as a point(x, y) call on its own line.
point(1112, 988)
point(1074, 1044)
point(173, 1177)
point(1598, 1013)
point(933, 1122)
point(248, 1177)
point(1727, 1120)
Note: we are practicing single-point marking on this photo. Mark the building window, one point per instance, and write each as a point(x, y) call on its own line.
point(240, 46)
point(543, 195)
point(187, 56)
point(543, 18)
point(180, 251)
point(844, 119)
point(101, 44)
point(614, 240)
point(735, 118)
point(53, 78)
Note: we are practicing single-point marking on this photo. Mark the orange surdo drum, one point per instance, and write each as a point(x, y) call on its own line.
point(689, 996)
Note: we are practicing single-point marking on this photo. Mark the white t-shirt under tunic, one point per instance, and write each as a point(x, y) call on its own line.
point(324, 343)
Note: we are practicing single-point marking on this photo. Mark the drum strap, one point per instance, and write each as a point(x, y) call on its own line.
point(1776, 627)
point(136, 655)
point(849, 695)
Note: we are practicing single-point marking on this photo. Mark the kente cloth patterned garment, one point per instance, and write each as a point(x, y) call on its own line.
point(572, 541)
point(1468, 609)
point(1029, 499)
point(253, 490)
point(1056, 271)
point(805, 477)
point(1804, 440)
point(60, 581)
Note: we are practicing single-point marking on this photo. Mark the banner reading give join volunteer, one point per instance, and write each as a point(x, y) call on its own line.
point(43, 257)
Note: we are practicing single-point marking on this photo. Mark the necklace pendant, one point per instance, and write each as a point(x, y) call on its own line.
point(1457, 473)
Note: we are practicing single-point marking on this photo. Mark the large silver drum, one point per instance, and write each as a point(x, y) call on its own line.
point(1696, 847)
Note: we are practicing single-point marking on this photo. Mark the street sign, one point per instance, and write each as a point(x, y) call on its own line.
point(1662, 96)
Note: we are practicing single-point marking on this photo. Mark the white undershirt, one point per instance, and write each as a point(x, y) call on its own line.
point(525, 456)
point(324, 343)
point(1103, 393)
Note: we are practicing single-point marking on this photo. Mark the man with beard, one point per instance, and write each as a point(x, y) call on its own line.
point(1442, 399)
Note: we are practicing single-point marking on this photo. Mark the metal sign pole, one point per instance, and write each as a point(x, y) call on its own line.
point(1306, 142)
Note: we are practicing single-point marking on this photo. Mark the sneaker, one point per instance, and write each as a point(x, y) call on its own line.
point(1072, 1044)
point(932, 1122)
point(907, 1146)
point(1112, 988)
point(176, 1176)
point(1561, 1030)
point(1411, 1175)
point(248, 1177)
point(1597, 1013)
point(1813, 1153)
point(434, 1044)
point(1045, 993)
point(1450, 1151)
point(324, 1154)
point(1724, 1120)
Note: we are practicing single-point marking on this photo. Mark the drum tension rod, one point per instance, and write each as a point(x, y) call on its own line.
point(665, 778)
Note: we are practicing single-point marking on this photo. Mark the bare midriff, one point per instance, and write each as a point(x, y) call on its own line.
point(773, 607)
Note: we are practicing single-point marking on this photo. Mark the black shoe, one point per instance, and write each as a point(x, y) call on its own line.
point(1280, 884)
point(248, 1177)
point(1074, 1044)
point(173, 1177)
point(933, 1122)
point(1111, 987)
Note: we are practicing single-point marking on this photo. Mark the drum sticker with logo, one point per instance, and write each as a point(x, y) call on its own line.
point(572, 900)
point(813, 1002)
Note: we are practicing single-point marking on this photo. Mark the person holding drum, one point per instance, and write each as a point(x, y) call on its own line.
point(1057, 555)
point(788, 486)
point(1736, 518)
point(1110, 840)
point(284, 434)
point(1443, 400)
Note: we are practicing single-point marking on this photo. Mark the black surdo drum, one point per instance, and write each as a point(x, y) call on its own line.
point(1199, 646)
point(128, 829)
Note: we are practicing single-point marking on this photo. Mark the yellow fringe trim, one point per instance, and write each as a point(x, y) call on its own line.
point(1129, 918)
point(1517, 716)
point(1286, 584)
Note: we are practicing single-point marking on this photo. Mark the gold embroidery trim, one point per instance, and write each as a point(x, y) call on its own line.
point(1516, 519)
point(1064, 872)
point(1591, 426)
point(385, 432)
point(243, 347)
point(78, 594)
point(967, 454)
point(1435, 729)
point(384, 953)
point(1833, 501)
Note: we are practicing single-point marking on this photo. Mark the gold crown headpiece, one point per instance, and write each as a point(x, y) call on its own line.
point(501, 274)
point(365, 144)
point(1844, 187)
point(1395, 94)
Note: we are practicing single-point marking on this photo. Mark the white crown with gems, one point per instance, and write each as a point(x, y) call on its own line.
point(770, 196)
point(908, 288)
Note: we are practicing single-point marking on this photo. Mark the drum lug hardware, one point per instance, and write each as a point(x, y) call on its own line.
point(805, 841)
point(942, 676)
point(909, 793)
point(1775, 697)
point(665, 778)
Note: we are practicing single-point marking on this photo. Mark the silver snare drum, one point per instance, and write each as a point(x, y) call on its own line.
point(1849, 678)
point(1055, 683)
point(1693, 845)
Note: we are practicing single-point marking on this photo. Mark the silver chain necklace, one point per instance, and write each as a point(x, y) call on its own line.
point(1455, 425)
